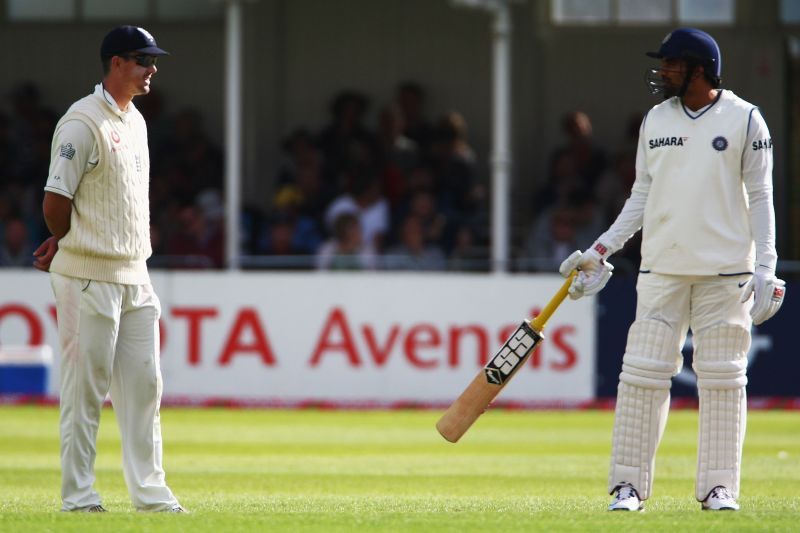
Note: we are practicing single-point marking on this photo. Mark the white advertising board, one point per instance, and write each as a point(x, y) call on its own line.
point(344, 339)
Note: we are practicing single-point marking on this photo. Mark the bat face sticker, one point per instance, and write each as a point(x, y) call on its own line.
point(511, 356)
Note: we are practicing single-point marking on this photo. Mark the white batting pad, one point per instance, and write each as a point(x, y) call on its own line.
point(720, 362)
point(652, 357)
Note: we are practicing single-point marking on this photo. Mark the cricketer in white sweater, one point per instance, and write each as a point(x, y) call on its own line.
point(104, 150)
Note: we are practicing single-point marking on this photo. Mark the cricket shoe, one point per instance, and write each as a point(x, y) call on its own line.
point(177, 509)
point(94, 509)
point(720, 499)
point(625, 499)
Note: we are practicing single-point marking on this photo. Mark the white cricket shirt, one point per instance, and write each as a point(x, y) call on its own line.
point(703, 190)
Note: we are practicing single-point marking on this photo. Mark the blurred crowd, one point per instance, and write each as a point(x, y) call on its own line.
point(25, 135)
point(584, 191)
point(400, 192)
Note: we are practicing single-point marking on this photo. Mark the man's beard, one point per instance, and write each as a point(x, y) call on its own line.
point(669, 91)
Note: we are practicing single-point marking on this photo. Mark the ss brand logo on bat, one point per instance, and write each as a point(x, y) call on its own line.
point(512, 354)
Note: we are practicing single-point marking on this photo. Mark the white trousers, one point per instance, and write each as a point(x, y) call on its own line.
point(667, 306)
point(109, 340)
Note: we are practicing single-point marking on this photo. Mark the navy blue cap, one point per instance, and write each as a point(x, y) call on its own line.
point(690, 43)
point(126, 39)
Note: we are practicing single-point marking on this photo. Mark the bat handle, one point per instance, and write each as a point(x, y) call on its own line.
point(541, 319)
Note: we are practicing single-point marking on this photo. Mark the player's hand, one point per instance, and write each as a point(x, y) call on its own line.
point(769, 292)
point(44, 254)
point(593, 271)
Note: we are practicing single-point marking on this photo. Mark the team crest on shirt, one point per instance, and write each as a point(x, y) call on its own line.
point(115, 136)
point(719, 143)
point(67, 151)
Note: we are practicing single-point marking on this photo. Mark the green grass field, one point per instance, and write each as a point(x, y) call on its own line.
point(265, 470)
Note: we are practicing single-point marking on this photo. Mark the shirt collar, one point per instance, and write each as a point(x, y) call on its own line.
point(697, 114)
point(100, 91)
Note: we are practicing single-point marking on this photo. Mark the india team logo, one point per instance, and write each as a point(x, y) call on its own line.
point(719, 143)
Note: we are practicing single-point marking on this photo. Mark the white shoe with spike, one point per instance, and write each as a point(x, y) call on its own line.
point(625, 499)
point(720, 499)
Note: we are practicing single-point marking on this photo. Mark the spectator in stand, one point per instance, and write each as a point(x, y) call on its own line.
point(288, 230)
point(580, 158)
point(410, 98)
point(565, 180)
point(587, 216)
point(346, 141)
point(455, 172)
point(15, 248)
point(422, 205)
point(573, 221)
point(411, 253)
point(279, 239)
point(366, 201)
point(286, 242)
point(398, 155)
point(466, 255)
point(301, 183)
point(346, 249)
point(192, 161)
point(297, 149)
point(552, 239)
point(197, 243)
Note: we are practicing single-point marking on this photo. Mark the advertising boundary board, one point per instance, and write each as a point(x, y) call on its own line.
point(329, 339)
point(196, 322)
point(773, 366)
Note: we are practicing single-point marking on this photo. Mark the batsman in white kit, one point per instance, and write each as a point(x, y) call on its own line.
point(96, 205)
point(703, 199)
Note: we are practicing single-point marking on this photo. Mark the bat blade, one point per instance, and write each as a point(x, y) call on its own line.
point(480, 393)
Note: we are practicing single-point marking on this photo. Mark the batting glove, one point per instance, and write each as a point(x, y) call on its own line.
point(769, 292)
point(593, 270)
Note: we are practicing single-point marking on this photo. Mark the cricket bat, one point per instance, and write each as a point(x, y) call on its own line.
point(476, 398)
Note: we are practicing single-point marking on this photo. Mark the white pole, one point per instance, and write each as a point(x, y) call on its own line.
point(501, 137)
point(233, 129)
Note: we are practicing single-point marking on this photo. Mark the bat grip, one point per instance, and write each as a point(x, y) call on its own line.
point(541, 319)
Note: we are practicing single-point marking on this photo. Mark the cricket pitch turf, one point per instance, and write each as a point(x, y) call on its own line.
point(328, 471)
